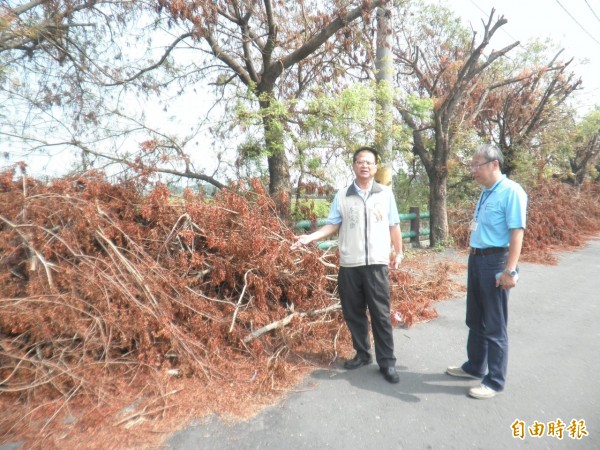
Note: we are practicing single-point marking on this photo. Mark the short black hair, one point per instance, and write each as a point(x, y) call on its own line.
point(366, 149)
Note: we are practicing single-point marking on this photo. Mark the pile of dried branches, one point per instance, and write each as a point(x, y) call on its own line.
point(122, 311)
point(559, 217)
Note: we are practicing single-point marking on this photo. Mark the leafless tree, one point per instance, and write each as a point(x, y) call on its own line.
point(444, 66)
point(516, 113)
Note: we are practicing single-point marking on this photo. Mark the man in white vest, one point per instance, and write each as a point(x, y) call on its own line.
point(366, 216)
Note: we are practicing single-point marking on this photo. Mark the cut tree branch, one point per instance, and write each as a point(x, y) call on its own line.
point(286, 321)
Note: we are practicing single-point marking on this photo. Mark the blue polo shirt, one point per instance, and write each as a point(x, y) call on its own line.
point(335, 216)
point(500, 208)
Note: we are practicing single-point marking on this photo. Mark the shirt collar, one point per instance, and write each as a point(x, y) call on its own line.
point(495, 184)
point(374, 188)
point(363, 191)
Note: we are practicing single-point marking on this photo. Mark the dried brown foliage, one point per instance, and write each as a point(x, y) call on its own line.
point(559, 217)
point(124, 314)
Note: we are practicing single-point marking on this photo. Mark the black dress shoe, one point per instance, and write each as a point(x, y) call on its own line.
point(390, 374)
point(356, 362)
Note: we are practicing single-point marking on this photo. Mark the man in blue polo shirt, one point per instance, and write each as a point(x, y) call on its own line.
point(496, 240)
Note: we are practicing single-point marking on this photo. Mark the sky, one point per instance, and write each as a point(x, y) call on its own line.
point(572, 24)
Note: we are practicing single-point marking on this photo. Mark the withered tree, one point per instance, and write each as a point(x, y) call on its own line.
point(271, 49)
point(59, 59)
point(586, 146)
point(514, 115)
point(258, 43)
point(38, 33)
point(27, 27)
point(438, 62)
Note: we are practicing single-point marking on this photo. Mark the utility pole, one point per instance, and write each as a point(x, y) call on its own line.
point(384, 69)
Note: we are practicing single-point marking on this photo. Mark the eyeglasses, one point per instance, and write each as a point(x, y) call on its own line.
point(365, 163)
point(477, 166)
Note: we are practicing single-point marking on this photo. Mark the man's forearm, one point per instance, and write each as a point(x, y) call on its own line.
point(324, 231)
point(396, 236)
point(514, 249)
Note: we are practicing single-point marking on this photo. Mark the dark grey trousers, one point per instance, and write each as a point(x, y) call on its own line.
point(368, 287)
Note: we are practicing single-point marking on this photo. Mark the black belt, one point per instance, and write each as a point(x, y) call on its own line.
point(487, 251)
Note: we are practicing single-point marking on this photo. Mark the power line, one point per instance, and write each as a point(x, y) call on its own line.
point(575, 20)
point(593, 12)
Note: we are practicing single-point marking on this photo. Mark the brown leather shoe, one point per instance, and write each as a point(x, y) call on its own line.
point(356, 362)
point(390, 374)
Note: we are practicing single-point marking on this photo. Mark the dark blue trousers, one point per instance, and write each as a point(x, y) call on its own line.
point(487, 319)
point(368, 287)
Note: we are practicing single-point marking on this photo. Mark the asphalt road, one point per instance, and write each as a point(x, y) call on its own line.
point(553, 378)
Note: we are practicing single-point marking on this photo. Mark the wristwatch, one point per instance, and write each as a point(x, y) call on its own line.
point(512, 273)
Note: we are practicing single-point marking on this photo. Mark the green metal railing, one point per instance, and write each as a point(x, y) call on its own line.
point(415, 224)
point(414, 216)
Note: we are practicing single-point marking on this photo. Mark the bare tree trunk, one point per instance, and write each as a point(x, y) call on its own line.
point(509, 161)
point(279, 169)
point(279, 183)
point(584, 155)
point(438, 221)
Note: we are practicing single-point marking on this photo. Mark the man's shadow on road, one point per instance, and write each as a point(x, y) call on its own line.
point(408, 389)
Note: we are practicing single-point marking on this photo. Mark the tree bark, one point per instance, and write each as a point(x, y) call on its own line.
point(279, 181)
point(280, 187)
point(438, 221)
point(583, 157)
